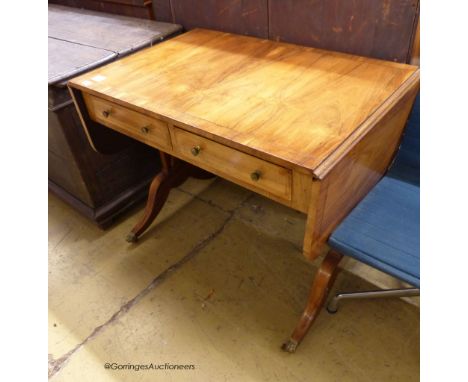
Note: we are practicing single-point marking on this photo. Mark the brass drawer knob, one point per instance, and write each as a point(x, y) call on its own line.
point(195, 150)
point(106, 113)
point(145, 129)
point(255, 176)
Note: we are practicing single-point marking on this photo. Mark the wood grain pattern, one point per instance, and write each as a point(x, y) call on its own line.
point(134, 8)
point(102, 140)
point(318, 129)
point(172, 174)
point(162, 11)
point(322, 283)
point(246, 17)
point(136, 125)
point(363, 129)
point(374, 28)
point(109, 141)
point(301, 191)
point(322, 131)
point(355, 175)
point(233, 165)
point(288, 104)
point(416, 50)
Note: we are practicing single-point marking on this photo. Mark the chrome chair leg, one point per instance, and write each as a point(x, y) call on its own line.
point(408, 292)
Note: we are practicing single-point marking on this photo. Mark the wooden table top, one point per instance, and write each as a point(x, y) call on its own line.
point(298, 106)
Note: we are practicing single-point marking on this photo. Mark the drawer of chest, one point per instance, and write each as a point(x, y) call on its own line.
point(136, 125)
point(232, 164)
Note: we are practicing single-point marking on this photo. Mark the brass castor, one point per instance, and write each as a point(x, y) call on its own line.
point(290, 346)
point(131, 238)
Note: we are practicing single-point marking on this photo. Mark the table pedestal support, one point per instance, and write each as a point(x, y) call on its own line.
point(323, 281)
point(174, 172)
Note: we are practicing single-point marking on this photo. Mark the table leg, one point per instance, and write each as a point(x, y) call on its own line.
point(323, 280)
point(174, 172)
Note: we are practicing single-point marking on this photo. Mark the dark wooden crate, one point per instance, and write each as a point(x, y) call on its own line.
point(99, 186)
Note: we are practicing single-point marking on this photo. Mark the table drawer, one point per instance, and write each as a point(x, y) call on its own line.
point(234, 165)
point(136, 125)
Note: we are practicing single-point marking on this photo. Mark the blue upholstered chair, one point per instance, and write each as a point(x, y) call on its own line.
point(381, 231)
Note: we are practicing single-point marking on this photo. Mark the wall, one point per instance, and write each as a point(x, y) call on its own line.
point(376, 28)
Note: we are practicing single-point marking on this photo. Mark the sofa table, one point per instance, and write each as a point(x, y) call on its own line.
point(311, 129)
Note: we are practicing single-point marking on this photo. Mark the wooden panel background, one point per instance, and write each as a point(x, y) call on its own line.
point(382, 29)
point(162, 11)
point(133, 8)
point(375, 28)
point(247, 17)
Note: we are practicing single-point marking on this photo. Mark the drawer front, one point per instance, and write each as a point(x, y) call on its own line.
point(136, 125)
point(234, 165)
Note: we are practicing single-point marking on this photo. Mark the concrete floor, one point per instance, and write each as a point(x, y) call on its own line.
point(217, 282)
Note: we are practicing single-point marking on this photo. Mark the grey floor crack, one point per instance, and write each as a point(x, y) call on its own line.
point(55, 365)
point(196, 196)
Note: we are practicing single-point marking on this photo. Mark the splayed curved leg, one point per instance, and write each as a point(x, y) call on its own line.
point(173, 174)
point(322, 283)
